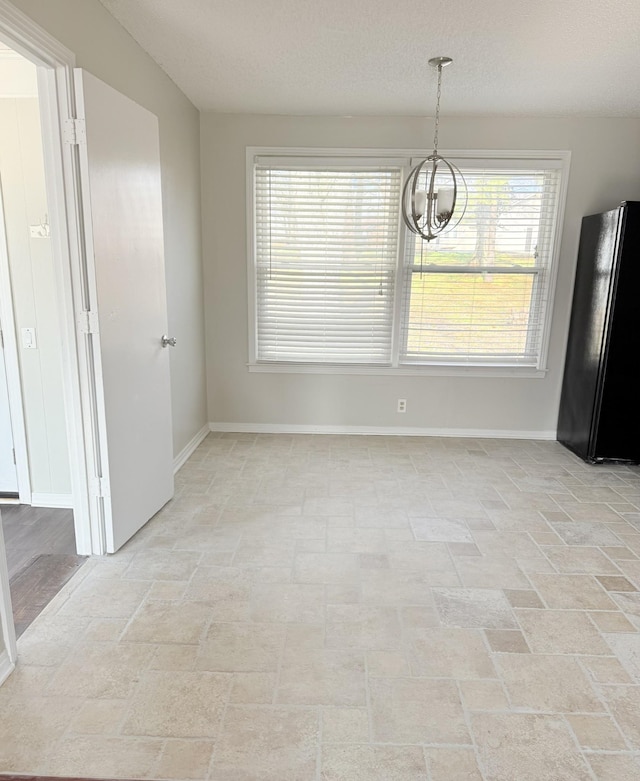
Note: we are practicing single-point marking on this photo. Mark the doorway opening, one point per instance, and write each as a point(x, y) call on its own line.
point(54, 65)
point(101, 154)
point(35, 477)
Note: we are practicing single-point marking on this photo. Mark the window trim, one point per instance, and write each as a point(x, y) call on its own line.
point(559, 159)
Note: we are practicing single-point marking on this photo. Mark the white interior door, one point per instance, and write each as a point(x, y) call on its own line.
point(120, 173)
point(8, 474)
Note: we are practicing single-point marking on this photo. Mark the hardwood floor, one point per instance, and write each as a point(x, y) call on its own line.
point(37, 584)
point(41, 555)
point(30, 531)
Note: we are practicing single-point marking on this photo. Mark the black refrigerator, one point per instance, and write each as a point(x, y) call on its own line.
point(599, 416)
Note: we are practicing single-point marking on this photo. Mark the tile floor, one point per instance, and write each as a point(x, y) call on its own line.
point(314, 608)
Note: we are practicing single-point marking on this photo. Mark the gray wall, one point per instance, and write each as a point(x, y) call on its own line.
point(605, 169)
point(104, 48)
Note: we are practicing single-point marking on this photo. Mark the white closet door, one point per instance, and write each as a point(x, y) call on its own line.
point(120, 173)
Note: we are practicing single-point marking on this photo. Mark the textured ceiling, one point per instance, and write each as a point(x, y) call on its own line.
point(343, 57)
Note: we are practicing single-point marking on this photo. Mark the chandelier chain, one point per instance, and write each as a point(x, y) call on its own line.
point(437, 123)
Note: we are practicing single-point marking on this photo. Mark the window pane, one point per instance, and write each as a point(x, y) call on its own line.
point(478, 315)
point(464, 313)
point(500, 226)
point(326, 249)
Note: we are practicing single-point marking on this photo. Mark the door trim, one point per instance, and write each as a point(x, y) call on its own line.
point(14, 390)
point(10, 654)
point(64, 195)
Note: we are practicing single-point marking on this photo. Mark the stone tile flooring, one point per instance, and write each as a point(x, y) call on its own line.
point(318, 608)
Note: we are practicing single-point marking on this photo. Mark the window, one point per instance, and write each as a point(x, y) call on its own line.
point(479, 293)
point(337, 281)
point(326, 248)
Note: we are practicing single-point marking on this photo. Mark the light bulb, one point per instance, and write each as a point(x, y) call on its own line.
point(421, 202)
point(444, 203)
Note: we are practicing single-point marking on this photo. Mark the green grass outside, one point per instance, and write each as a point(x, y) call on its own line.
point(447, 258)
point(469, 313)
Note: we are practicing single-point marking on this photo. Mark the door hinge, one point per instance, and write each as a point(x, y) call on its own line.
point(1, 339)
point(99, 487)
point(13, 450)
point(75, 131)
point(88, 322)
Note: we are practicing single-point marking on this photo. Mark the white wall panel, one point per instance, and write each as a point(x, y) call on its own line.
point(33, 290)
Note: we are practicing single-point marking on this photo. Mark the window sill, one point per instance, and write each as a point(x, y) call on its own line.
point(416, 370)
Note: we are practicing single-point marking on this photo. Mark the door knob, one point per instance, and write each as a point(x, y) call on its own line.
point(168, 341)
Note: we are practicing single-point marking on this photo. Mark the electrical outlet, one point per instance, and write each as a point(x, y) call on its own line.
point(402, 405)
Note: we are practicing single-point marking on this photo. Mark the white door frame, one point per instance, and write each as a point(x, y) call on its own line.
point(16, 413)
point(74, 285)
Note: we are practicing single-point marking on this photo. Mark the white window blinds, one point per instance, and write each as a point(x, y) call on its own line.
point(479, 293)
point(326, 244)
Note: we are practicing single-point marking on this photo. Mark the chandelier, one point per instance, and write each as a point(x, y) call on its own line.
point(435, 188)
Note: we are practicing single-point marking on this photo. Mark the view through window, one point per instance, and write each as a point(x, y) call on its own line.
point(479, 292)
point(337, 280)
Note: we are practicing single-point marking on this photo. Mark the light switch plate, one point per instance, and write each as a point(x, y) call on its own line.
point(29, 338)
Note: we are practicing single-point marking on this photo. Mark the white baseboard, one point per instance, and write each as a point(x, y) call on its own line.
point(392, 431)
point(188, 449)
point(62, 501)
point(6, 666)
